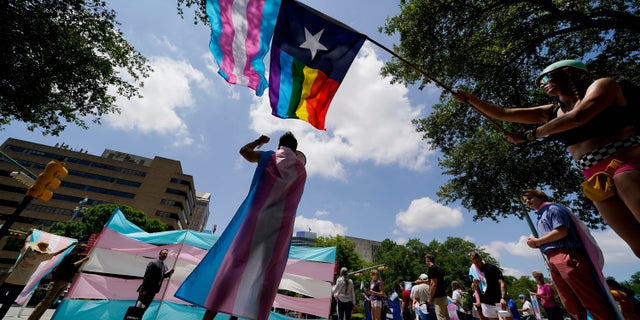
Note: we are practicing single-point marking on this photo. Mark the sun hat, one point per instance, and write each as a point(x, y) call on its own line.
point(561, 64)
point(41, 246)
point(536, 273)
point(423, 277)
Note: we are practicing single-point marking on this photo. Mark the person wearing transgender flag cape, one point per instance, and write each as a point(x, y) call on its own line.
point(574, 258)
point(240, 274)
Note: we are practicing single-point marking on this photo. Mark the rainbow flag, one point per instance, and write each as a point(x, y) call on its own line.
point(310, 55)
point(240, 35)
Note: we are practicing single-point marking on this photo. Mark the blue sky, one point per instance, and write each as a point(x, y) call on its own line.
point(369, 174)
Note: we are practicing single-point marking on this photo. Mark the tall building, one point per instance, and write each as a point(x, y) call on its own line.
point(201, 213)
point(155, 186)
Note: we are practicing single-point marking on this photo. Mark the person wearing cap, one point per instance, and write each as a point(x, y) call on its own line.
point(60, 279)
point(31, 255)
point(547, 298)
point(421, 293)
point(254, 247)
point(596, 123)
point(527, 308)
point(566, 243)
point(344, 293)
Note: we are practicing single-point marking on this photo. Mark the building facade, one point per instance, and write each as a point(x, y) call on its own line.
point(157, 186)
point(201, 213)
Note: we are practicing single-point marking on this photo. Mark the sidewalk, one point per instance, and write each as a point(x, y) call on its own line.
point(16, 313)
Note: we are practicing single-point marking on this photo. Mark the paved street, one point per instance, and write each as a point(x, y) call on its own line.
point(16, 313)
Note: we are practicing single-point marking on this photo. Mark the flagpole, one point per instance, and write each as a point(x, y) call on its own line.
point(440, 84)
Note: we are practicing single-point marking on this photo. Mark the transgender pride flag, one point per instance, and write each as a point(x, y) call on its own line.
point(240, 34)
point(55, 243)
point(310, 55)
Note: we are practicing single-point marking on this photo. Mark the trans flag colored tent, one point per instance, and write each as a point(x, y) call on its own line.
point(107, 283)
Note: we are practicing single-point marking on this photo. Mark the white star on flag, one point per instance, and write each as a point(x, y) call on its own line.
point(312, 42)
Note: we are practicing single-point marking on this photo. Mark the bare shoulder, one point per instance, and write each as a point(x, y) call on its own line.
point(608, 84)
point(605, 88)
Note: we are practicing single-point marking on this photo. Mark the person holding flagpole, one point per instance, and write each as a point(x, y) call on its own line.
point(598, 126)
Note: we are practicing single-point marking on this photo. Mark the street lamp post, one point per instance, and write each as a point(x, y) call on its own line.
point(79, 210)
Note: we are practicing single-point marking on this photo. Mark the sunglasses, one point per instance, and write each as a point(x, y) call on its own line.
point(546, 78)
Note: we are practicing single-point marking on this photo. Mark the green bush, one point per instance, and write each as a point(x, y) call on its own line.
point(357, 316)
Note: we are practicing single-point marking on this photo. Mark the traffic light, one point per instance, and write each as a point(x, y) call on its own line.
point(48, 180)
point(16, 234)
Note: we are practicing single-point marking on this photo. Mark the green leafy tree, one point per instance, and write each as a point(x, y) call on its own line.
point(495, 49)
point(346, 254)
point(407, 262)
point(95, 218)
point(633, 283)
point(60, 59)
point(522, 285)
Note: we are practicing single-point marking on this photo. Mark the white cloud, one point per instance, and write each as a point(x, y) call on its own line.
point(513, 272)
point(231, 92)
point(166, 93)
point(164, 42)
point(520, 248)
point(425, 214)
point(615, 250)
point(369, 120)
point(323, 228)
point(321, 213)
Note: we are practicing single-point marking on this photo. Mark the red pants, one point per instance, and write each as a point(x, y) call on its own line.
point(575, 280)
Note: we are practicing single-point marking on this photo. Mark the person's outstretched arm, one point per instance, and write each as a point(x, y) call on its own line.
point(64, 249)
point(531, 115)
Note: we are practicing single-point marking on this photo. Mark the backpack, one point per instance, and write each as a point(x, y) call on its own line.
point(467, 302)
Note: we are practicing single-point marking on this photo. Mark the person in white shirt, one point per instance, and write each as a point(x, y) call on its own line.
point(345, 295)
point(527, 308)
point(420, 294)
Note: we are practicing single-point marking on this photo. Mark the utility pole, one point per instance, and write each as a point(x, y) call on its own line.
point(4, 230)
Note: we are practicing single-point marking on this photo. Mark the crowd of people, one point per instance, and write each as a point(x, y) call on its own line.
point(487, 297)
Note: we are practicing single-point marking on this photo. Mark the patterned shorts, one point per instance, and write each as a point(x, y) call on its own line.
point(590, 159)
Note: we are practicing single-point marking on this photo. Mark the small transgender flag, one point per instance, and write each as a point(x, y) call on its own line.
point(55, 243)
